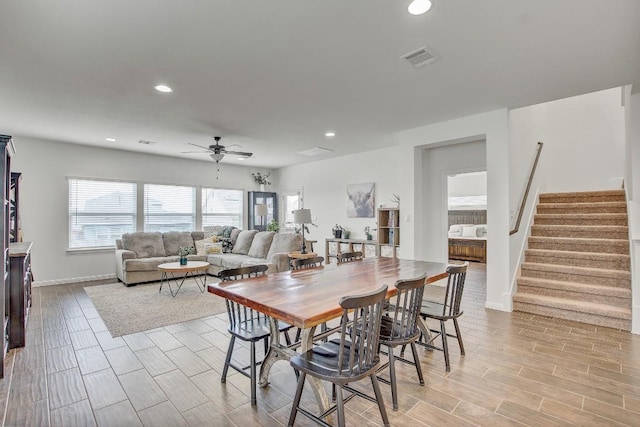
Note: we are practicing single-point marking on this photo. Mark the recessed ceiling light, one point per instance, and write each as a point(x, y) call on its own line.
point(418, 7)
point(330, 134)
point(163, 88)
point(110, 139)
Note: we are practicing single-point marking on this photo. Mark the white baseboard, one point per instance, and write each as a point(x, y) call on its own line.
point(72, 280)
point(496, 306)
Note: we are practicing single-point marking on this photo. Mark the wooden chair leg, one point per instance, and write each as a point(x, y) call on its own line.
point(414, 350)
point(340, 406)
point(227, 361)
point(392, 378)
point(445, 346)
point(379, 401)
point(296, 399)
point(459, 335)
point(253, 373)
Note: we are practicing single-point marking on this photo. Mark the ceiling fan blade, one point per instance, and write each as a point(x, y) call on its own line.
point(238, 153)
point(200, 146)
point(191, 152)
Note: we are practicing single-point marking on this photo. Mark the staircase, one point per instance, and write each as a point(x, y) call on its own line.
point(577, 266)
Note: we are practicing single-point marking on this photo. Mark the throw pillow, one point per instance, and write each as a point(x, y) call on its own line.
point(243, 243)
point(481, 230)
point(212, 248)
point(285, 243)
point(201, 244)
point(174, 240)
point(261, 244)
point(144, 244)
point(469, 231)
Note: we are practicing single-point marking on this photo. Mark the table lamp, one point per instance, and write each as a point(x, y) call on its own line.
point(261, 211)
point(302, 217)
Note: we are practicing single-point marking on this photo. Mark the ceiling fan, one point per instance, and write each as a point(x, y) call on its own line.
point(217, 151)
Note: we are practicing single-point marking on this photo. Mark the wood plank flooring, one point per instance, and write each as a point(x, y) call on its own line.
point(520, 369)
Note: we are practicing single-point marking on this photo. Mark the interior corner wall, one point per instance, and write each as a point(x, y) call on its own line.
point(438, 163)
point(493, 128)
point(324, 184)
point(633, 150)
point(44, 200)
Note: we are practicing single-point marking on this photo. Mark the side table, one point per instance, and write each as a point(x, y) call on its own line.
point(172, 270)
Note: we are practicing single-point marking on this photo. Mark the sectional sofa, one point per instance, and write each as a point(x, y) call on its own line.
point(139, 254)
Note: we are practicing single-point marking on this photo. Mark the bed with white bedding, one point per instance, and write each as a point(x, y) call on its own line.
point(468, 242)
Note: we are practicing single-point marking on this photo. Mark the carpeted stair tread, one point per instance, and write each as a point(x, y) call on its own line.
point(558, 313)
point(584, 196)
point(581, 219)
point(576, 306)
point(617, 246)
point(597, 276)
point(592, 289)
point(569, 257)
point(581, 231)
point(582, 207)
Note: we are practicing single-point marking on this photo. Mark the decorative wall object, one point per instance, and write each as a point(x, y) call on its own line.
point(361, 200)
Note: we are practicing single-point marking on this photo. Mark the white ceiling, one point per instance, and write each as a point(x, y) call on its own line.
point(274, 75)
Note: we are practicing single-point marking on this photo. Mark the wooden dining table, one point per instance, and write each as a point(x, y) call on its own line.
point(309, 297)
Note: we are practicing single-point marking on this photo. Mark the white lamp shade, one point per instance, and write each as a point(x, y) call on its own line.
point(302, 216)
point(261, 210)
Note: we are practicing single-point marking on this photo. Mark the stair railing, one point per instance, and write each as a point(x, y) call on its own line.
point(526, 191)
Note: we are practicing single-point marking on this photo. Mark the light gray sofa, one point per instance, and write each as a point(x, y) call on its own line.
point(139, 254)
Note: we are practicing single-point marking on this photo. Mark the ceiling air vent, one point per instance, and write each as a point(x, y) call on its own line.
point(315, 151)
point(421, 57)
point(142, 141)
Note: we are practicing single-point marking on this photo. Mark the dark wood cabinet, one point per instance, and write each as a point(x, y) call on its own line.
point(6, 151)
point(19, 292)
point(255, 198)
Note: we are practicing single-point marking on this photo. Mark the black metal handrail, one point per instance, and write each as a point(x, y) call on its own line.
point(526, 191)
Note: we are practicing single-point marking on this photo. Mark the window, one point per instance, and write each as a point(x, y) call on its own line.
point(169, 208)
point(100, 212)
point(292, 201)
point(221, 207)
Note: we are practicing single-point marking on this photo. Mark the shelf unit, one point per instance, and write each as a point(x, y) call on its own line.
point(15, 232)
point(261, 197)
point(388, 231)
point(367, 247)
point(20, 290)
point(6, 151)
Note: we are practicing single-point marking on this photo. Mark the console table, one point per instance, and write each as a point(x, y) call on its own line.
point(350, 243)
point(19, 292)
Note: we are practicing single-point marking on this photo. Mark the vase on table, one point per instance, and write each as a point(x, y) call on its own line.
point(261, 187)
point(183, 260)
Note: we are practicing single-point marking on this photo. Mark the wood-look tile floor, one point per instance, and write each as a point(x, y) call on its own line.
point(519, 369)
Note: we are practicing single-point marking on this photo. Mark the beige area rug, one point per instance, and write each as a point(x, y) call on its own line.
point(126, 310)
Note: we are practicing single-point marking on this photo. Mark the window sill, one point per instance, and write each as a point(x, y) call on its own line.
point(73, 251)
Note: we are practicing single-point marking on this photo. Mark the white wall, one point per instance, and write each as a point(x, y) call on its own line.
point(469, 184)
point(493, 128)
point(324, 185)
point(45, 166)
point(438, 163)
point(633, 149)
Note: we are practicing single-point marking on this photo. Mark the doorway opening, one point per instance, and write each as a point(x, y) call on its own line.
point(467, 216)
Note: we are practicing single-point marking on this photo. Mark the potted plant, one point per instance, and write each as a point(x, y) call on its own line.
point(261, 179)
point(345, 233)
point(367, 232)
point(183, 251)
point(337, 231)
point(273, 226)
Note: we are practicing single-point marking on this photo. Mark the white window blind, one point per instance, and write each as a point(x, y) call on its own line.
point(169, 208)
point(100, 212)
point(221, 207)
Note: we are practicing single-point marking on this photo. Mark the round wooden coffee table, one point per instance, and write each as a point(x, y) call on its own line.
point(177, 273)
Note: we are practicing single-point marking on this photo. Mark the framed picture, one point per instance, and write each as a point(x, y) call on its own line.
point(361, 200)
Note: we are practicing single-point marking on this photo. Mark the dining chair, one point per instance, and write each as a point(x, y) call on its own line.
point(399, 328)
point(448, 309)
point(349, 257)
point(304, 263)
point(247, 325)
point(350, 358)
